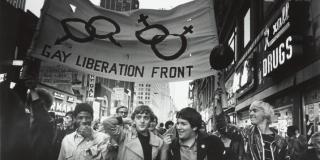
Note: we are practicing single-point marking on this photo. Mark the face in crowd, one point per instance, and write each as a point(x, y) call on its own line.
point(68, 120)
point(83, 118)
point(188, 123)
point(122, 112)
point(184, 128)
point(259, 112)
point(142, 121)
point(142, 116)
point(153, 124)
point(256, 115)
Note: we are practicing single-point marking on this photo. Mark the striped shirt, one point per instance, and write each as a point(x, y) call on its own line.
point(267, 140)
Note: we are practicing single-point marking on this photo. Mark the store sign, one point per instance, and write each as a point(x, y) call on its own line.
point(279, 40)
point(70, 99)
point(58, 95)
point(59, 106)
point(91, 85)
point(277, 57)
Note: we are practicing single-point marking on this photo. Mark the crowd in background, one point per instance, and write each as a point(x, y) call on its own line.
point(30, 131)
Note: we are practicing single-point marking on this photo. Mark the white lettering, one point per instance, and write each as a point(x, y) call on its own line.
point(289, 47)
point(277, 57)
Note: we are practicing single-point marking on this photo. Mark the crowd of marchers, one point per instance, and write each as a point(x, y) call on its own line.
point(29, 131)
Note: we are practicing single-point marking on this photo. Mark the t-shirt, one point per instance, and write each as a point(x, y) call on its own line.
point(267, 140)
point(146, 147)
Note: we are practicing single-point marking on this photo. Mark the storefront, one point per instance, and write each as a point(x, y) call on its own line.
point(279, 67)
point(63, 102)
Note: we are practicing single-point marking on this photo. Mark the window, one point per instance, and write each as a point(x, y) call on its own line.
point(246, 28)
point(232, 42)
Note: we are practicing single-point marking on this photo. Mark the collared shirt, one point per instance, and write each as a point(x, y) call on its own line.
point(76, 147)
point(188, 152)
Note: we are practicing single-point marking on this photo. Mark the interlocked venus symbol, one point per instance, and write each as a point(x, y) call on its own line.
point(91, 30)
point(159, 38)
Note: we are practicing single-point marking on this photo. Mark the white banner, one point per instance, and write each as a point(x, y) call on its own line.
point(139, 45)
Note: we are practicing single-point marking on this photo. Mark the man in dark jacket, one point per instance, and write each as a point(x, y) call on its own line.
point(190, 143)
point(42, 131)
point(297, 143)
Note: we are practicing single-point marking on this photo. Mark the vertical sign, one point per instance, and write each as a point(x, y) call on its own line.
point(91, 85)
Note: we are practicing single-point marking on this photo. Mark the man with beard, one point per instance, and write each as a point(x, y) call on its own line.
point(84, 143)
point(137, 142)
point(190, 144)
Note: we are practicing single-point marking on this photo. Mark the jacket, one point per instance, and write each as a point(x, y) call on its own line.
point(129, 144)
point(209, 147)
point(253, 142)
point(76, 147)
point(297, 146)
point(41, 132)
point(310, 154)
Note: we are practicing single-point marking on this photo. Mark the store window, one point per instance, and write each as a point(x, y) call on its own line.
point(282, 119)
point(311, 108)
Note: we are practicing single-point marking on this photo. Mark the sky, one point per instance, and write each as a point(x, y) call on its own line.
point(178, 90)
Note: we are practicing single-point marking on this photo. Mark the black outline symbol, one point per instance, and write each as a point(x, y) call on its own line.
point(90, 29)
point(159, 38)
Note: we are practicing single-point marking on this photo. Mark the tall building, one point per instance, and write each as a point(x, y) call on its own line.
point(18, 3)
point(120, 5)
point(157, 96)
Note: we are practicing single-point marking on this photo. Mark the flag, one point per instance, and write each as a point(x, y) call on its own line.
point(138, 45)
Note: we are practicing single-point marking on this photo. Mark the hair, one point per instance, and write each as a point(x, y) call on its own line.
point(117, 110)
point(52, 115)
point(168, 123)
point(155, 119)
point(45, 96)
point(69, 113)
point(267, 109)
point(314, 136)
point(192, 116)
point(291, 130)
point(143, 109)
point(161, 124)
point(83, 107)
